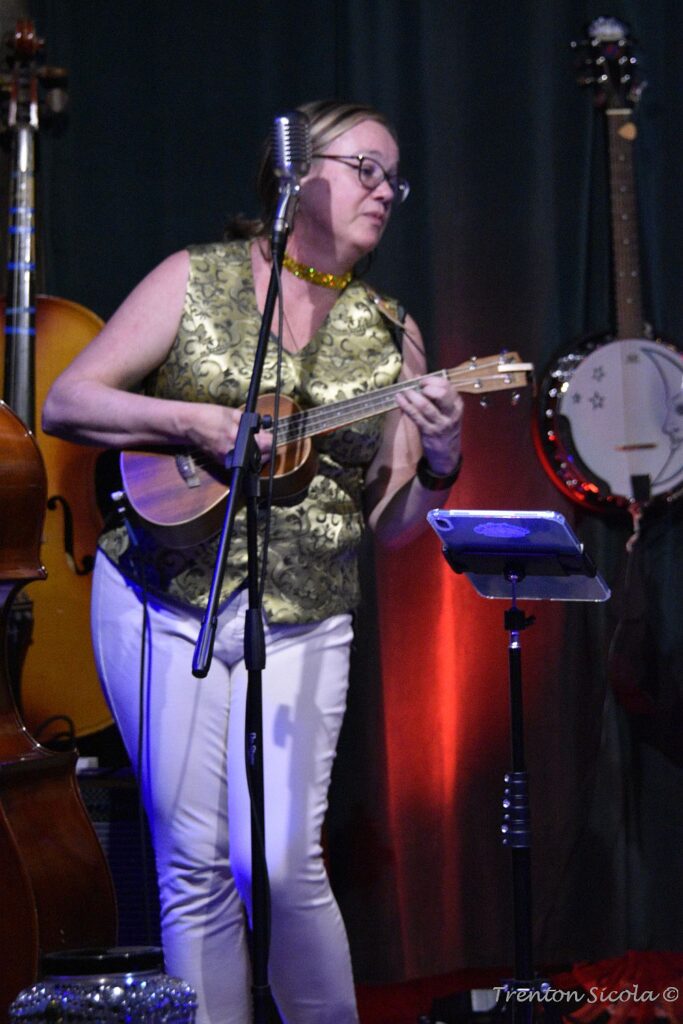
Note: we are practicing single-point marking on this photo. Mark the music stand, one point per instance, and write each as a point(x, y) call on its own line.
point(532, 555)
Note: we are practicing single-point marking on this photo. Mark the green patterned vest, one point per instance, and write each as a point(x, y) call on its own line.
point(312, 564)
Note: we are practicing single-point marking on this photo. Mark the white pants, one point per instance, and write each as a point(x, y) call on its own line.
point(193, 781)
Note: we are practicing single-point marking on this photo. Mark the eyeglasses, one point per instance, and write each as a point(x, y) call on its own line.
point(371, 174)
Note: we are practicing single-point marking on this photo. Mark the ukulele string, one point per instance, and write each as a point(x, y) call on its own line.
point(319, 418)
point(308, 422)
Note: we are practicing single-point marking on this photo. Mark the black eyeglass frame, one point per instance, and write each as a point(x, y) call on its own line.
point(398, 185)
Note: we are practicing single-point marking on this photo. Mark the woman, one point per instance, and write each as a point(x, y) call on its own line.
point(186, 337)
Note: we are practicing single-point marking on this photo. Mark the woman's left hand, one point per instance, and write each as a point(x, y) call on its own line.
point(436, 410)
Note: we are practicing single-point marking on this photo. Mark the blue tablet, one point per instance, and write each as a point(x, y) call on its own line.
point(534, 555)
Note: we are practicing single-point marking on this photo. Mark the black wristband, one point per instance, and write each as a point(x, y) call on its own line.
point(431, 481)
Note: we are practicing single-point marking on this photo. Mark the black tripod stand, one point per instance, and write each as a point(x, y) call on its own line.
point(505, 555)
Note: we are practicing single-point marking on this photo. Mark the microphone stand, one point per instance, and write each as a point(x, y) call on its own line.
point(245, 464)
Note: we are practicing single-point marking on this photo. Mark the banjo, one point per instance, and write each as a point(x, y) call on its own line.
point(609, 414)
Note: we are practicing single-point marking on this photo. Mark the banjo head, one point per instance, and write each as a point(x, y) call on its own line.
point(609, 423)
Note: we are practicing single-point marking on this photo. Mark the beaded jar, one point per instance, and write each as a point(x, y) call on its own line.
point(124, 985)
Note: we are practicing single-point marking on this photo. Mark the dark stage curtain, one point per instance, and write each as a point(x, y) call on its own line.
point(503, 244)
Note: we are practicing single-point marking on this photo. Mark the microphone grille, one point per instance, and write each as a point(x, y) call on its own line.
point(291, 145)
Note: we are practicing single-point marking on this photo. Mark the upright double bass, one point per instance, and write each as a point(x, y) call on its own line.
point(58, 692)
point(56, 891)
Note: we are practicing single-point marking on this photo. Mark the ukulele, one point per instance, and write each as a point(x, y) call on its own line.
point(180, 495)
point(609, 414)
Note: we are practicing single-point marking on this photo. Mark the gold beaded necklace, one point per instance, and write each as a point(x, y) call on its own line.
point(306, 273)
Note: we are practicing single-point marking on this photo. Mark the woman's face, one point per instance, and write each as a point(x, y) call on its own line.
point(336, 212)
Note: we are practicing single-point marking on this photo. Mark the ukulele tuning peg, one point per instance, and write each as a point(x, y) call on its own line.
point(484, 402)
point(515, 397)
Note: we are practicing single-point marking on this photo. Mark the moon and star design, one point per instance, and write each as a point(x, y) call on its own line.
point(624, 405)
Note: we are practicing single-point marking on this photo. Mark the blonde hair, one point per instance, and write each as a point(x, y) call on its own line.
point(328, 119)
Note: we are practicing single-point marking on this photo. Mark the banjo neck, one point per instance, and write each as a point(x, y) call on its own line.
point(621, 134)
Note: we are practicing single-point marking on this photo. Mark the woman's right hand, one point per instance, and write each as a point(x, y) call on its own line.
point(213, 428)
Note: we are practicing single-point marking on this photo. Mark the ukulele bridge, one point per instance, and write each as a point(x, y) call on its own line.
point(187, 469)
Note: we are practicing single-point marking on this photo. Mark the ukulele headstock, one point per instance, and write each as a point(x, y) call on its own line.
point(606, 61)
point(480, 376)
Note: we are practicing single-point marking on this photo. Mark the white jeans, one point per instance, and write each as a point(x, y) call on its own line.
point(193, 781)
